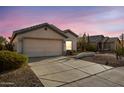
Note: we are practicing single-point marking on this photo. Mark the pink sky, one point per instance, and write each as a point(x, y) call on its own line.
point(108, 21)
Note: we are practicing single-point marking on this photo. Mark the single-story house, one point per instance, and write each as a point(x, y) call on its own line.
point(105, 43)
point(44, 40)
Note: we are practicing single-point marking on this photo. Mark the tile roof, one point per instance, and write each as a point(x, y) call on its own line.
point(105, 39)
point(96, 38)
point(101, 38)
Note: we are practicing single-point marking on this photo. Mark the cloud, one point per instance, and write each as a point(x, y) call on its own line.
point(92, 20)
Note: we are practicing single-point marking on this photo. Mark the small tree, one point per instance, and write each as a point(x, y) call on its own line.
point(3, 41)
point(82, 43)
point(9, 47)
point(88, 39)
point(5, 45)
point(120, 51)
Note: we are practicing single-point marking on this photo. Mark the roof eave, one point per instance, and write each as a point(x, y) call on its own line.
point(68, 30)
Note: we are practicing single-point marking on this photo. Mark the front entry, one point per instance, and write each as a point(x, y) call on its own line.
point(68, 45)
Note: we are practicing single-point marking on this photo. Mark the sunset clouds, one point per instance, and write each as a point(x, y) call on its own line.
point(93, 20)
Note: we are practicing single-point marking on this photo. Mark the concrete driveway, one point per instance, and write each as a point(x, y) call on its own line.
point(69, 72)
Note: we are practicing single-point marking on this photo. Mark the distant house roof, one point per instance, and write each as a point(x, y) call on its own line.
point(112, 39)
point(101, 38)
point(37, 27)
point(68, 30)
point(105, 39)
point(96, 38)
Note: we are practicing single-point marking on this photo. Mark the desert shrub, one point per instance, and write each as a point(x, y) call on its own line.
point(70, 52)
point(90, 47)
point(9, 47)
point(120, 51)
point(11, 60)
point(1, 47)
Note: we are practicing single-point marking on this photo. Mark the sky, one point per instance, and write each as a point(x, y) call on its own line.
point(93, 20)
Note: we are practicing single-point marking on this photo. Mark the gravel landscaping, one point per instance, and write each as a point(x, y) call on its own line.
point(22, 77)
point(106, 59)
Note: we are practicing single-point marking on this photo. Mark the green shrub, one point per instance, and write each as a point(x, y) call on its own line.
point(90, 47)
point(120, 51)
point(11, 60)
point(9, 47)
point(1, 47)
point(70, 52)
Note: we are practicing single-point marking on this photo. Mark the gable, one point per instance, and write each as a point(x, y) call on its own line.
point(68, 31)
point(37, 27)
point(70, 36)
point(44, 32)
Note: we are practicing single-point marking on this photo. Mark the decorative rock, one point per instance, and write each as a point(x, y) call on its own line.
point(85, 54)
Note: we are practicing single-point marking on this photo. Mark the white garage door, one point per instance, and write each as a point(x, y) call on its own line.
point(39, 47)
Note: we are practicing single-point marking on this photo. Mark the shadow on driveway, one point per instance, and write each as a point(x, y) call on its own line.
point(37, 59)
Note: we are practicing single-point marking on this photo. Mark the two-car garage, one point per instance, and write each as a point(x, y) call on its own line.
point(42, 47)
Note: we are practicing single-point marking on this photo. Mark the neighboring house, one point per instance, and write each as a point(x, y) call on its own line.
point(96, 41)
point(44, 40)
point(105, 43)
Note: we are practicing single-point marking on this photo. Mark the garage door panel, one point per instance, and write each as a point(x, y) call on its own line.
point(39, 47)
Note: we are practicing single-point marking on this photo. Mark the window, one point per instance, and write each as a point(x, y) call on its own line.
point(68, 45)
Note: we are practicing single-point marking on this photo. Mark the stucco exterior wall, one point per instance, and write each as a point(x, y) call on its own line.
point(73, 39)
point(17, 44)
point(42, 33)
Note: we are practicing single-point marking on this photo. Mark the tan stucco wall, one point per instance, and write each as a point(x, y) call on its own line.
point(73, 39)
point(17, 44)
point(41, 33)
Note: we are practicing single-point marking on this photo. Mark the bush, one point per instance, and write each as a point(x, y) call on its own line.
point(91, 48)
point(11, 60)
point(70, 52)
point(9, 47)
point(120, 51)
point(1, 47)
